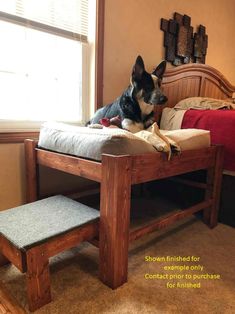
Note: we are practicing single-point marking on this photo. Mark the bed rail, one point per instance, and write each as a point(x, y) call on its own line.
point(150, 167)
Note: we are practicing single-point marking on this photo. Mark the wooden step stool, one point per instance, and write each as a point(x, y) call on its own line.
point(30, 234)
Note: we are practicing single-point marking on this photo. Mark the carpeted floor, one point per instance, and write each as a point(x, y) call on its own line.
point(76, 288)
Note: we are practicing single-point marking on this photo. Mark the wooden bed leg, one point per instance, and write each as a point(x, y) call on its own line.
point(37, 278)
point(114, 219)
point(214, 180)
point(31, 171)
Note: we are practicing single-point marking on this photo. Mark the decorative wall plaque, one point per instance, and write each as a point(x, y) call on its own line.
point(200, 45)
point(182, 46)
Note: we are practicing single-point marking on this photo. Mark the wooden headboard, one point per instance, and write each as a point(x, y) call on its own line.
point(193, 80)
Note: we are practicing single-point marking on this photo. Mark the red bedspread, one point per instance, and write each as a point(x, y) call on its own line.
point(221, 124)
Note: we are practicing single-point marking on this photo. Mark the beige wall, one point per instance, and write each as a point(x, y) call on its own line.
point(132, 27)
point(12, 178)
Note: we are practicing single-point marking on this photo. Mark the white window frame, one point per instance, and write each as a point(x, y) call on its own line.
point(88, 84)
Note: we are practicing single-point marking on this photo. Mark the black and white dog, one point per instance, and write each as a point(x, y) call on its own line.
point(135, 106)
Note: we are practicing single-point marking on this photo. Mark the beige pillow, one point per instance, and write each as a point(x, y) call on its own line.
point(203, 103)
point(188, 139)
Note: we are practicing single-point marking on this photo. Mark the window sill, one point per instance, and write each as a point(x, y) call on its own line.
point(18, 131)
point(17, 137)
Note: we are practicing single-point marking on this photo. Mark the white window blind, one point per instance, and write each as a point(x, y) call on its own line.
point(62, 17)
point(44, 61)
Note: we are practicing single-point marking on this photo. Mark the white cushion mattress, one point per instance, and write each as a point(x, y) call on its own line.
point(92, 143)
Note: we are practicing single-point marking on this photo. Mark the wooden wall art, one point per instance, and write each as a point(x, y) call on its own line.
point(200, 45)
point(182, 46)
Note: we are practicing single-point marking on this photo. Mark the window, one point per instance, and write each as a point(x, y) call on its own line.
point(44, 61)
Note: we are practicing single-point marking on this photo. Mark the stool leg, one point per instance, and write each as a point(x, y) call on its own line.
point(37, 278)
point(3, 260)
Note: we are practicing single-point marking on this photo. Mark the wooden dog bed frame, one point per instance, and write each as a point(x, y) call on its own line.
point(116, 175)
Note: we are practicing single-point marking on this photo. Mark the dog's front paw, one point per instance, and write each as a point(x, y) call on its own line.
point(95, 126)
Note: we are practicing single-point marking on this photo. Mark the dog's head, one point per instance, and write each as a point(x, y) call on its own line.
point(146, 86)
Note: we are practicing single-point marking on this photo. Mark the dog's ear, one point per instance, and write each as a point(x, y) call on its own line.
point(160, 69)
point(138, 69)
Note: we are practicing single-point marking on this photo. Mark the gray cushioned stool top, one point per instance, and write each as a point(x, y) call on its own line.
point(28, 225)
